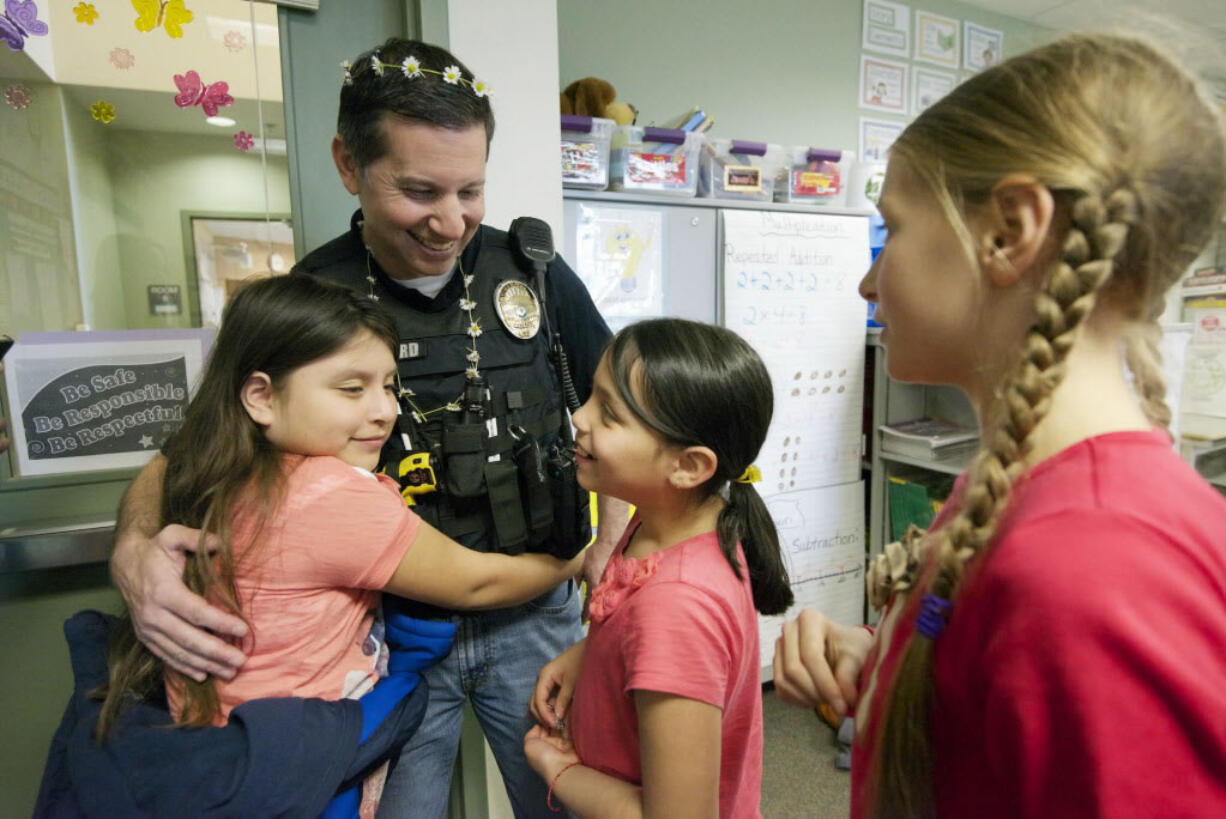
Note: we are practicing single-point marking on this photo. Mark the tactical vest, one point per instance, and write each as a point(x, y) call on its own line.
point(493, 471)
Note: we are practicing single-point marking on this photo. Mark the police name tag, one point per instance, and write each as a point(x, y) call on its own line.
point(410, 350)
point(517, 308)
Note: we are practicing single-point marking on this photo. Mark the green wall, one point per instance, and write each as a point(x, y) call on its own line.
point(783, 71)
point(93, 220)
point(38, 271)
point(154, 178)
point(35, 679)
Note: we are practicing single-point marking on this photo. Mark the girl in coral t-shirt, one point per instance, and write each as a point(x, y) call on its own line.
point(666, 715)
point(272, 464)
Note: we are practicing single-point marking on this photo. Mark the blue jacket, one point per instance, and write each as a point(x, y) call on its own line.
point(276, 757)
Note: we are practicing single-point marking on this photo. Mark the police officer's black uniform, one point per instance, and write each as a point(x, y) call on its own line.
point(480, 471)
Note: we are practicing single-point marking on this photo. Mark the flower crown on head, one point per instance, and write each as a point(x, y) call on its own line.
point(411, 68)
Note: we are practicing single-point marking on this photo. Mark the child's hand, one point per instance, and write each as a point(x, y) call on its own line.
point(555, 686)
point(818, 661)
point(548, 752)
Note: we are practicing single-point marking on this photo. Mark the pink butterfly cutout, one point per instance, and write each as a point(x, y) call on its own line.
point(192, 91)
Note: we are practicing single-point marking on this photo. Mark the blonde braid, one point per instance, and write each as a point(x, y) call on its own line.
point(1096, 235)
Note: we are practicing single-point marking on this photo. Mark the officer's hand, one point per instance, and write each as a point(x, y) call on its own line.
point(175, 624)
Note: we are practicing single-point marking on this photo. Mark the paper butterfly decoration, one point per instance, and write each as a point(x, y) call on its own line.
point(169, 14)
point(192, 91)
point(19, 21)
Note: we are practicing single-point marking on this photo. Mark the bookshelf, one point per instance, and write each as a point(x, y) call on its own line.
point(893, 401)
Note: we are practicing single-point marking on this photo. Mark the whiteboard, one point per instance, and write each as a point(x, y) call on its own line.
point(790, 288)
point(821, 535)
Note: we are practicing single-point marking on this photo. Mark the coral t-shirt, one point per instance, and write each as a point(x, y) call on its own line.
point(678, 622)
point(308, 584)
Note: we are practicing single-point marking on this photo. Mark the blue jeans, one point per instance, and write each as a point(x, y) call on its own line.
point(493, 664)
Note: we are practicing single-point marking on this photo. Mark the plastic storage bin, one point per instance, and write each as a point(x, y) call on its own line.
point(815, 177)
point(585, 152)
point(654, 160)
point(736, 169)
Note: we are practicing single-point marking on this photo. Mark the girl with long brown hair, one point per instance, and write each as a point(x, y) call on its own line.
point(1055, 645)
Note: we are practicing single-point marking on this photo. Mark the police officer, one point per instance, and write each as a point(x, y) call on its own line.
point(481, 445)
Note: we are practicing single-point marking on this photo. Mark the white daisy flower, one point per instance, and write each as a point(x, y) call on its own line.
point(468, 279)
point(481, 88)
point(376, 64)
point(411, 67)
point(348, 66)
point(471, 372)
point(474, 329)
point(473, 356)
point(467, 304)
point(451, 74)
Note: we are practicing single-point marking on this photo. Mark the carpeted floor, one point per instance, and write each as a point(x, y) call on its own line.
point(799, 780)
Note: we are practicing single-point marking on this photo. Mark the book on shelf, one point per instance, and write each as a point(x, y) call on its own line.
point(930, 438)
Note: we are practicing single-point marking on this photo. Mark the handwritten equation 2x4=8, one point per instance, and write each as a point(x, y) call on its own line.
point(789, 282)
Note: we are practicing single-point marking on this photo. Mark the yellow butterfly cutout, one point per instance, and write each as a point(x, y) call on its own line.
point(170, 14)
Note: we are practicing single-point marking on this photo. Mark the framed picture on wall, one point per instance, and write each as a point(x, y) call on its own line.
point(937, 39)
point(928, 86)
point(85, 401)
point(887, 27)
point(984, 47)
point(883, 85)
point(226, 250)
point(876, 137)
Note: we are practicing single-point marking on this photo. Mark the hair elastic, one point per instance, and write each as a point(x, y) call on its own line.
point(751, 475)
point(933, 616)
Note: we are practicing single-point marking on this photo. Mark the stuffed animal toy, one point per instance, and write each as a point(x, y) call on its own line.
point(593, 97)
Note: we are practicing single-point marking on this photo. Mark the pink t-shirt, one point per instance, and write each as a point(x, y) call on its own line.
point(309, 584)
point(678, 622)
point(1081, 673)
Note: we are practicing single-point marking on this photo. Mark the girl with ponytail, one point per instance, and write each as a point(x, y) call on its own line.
point(1055, 645)
point(666, 715)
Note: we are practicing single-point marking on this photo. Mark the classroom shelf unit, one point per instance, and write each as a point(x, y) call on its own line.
point(894, 401)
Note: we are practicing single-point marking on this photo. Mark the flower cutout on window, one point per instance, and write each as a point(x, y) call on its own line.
point(244, 141)
point(481, 88)
point(86, 13)
point(234, 40)
point(17, 96)
point(411, 67)
point(376, 65)
point(451, 74)
point(103, 111)
point(122, 59)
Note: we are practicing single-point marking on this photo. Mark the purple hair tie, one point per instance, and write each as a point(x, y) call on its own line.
point(933, 615)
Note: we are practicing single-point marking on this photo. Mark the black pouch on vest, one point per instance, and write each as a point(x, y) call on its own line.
point(534, 490)
point(464, 456)
point(502, 482)
point(572, 519)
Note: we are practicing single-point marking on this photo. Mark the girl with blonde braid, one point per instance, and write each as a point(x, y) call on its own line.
point(1056, 644)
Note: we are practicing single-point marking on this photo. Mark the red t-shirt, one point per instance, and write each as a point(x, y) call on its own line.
point(679, 622)
point(1083, 670)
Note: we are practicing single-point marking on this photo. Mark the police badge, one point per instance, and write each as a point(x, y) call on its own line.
point(517, 308)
